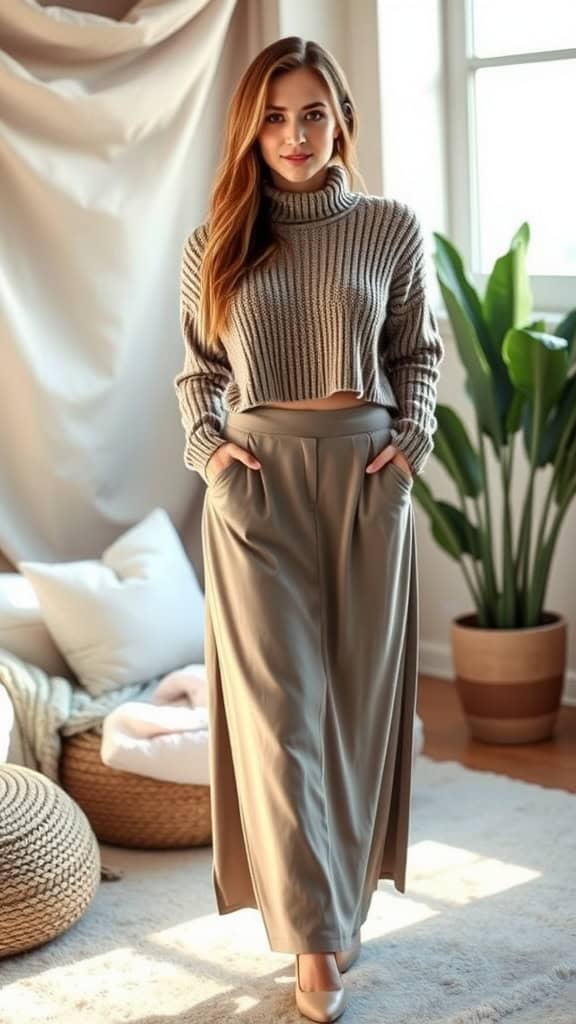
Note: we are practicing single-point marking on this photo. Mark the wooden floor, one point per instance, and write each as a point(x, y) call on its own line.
point(551, 763)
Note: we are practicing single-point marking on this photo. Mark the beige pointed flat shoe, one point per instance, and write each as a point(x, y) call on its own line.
point(346, 957)
point(323, 1005)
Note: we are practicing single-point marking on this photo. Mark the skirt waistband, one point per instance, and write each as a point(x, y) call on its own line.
point(366, 416)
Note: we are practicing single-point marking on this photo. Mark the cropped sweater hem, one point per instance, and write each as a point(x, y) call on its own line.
point(213, 439)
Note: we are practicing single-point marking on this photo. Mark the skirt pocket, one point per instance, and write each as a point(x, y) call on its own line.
point(378, 440)
point(406, 479)
point(224, 473)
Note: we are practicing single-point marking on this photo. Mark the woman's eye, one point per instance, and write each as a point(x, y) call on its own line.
point(313, 113)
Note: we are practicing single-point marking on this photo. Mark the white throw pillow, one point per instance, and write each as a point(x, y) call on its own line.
point(22, 628)
point(136, 613)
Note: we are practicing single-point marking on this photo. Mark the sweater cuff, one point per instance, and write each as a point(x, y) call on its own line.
point(197, 456)
point(415, 443)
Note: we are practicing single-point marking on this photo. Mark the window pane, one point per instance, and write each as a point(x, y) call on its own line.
point(526, 154)
point(522, 26)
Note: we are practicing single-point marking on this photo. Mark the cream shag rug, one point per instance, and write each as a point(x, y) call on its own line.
point(485, 932)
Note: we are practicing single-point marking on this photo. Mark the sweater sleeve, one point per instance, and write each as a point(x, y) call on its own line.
point(206, 372)
point(412, 350)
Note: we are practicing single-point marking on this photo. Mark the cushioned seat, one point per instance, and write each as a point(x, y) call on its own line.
point(49, 860)
point(132, 810)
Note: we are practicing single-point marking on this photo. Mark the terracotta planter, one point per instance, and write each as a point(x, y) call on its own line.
point(510, 681)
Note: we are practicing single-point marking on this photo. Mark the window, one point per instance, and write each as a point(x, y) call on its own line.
point(511, 84)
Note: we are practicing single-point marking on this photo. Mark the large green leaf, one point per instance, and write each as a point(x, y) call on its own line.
point(567, 329)
point(480, 381)
point(467, 532)
point(566, 478)
point(450, 270)
point(452, 446)
point(507, 299)
point(451, 275)
point(514, 414)
point(557, 422)
point(448, 524)
point(518, 410)
point(537, 363)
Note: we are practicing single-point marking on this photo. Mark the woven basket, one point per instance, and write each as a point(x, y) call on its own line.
point(49, 860)
point(132, 810)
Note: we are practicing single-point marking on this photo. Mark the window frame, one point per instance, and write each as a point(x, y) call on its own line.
point(553, 295)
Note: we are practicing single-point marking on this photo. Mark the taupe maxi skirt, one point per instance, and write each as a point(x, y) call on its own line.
point(311, 644)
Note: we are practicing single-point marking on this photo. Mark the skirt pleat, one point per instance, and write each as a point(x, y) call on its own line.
point(311, 640)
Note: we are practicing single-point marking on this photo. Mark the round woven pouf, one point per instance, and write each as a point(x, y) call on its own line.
point(132, 810)
point(49, 860)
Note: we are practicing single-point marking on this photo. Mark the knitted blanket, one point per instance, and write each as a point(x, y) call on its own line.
point(36, 710)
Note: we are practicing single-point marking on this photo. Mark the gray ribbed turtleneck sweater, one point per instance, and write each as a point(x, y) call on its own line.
point(345, 310)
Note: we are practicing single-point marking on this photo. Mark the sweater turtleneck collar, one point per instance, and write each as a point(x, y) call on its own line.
point(332, 200)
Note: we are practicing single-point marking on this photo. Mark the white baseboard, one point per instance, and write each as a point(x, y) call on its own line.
point(436, 660)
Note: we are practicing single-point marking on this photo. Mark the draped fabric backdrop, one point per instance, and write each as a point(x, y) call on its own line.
point(111, 129)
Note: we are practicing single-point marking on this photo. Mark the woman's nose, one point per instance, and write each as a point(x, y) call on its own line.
point(296, 135)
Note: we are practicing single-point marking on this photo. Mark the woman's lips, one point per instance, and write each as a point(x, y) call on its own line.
point(298, 159)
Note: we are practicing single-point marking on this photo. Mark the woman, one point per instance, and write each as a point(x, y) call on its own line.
point(307, 398)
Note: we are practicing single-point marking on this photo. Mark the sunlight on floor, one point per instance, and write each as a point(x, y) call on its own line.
point(459, 876)
point(211, 936)
point(394, 911)
point(244, 1004)
point(437, 874)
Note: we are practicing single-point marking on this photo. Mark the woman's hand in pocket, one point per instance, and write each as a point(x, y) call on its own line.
point(390, 454)
point(224, 455)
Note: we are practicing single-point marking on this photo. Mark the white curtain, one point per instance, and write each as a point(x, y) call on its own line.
point(112, 128)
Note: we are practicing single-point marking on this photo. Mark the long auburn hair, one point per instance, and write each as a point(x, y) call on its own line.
point(240, 234)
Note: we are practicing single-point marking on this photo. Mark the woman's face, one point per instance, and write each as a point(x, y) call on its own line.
point(298, 119)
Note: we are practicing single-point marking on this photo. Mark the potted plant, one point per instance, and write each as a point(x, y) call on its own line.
point(509, 654)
